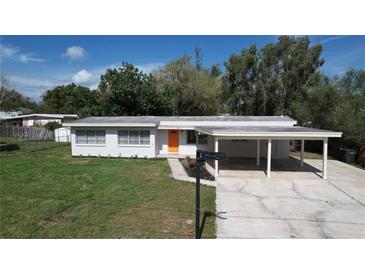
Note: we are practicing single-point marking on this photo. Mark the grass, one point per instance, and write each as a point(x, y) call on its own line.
point(49, 194)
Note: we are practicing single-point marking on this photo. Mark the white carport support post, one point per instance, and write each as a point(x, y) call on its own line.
point(258, 153)
point(302, 153)
point(325, 150)
point(216, 161)
point(268, 171)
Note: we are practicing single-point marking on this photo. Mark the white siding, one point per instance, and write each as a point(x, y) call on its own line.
point(159, 145)
point(31, 121)
point(184, 147)
point(111, 148)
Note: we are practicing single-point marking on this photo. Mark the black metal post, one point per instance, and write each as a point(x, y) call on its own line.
point(197, 198)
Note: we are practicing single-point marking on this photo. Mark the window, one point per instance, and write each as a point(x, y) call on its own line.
point(134, 137)
point(90, 136)
point(203, 139)
point(145, 137)
point(191, 137)
point(123, 137)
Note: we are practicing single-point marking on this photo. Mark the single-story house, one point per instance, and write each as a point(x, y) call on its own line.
point(180, 136)
point(42, 119)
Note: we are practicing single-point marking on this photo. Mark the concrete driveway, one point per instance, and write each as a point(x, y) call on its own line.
point(292, 206)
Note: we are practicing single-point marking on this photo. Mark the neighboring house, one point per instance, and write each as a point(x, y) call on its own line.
point(9, 114)
point(42, 119)
point(180, 136)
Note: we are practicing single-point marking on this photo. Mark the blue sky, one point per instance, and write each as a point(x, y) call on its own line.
point(32, 64)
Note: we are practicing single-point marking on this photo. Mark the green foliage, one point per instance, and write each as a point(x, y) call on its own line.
point(192, 89)
point(337, 104)
point(71, 98)
point(350, 114)
point(128, 91)
point(267, 81)
point(12, 100)
point(52, 125)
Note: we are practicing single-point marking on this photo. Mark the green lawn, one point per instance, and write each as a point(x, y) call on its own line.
point(49, 194)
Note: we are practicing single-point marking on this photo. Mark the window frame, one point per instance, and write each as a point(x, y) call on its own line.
point(141, 138)
point(200, 142)
point(95, 139)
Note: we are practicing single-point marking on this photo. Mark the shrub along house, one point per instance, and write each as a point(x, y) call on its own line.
point(180, 136)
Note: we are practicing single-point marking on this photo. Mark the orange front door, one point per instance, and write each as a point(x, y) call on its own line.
point(174, 140)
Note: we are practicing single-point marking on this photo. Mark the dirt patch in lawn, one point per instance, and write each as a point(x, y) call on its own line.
point(79, 161)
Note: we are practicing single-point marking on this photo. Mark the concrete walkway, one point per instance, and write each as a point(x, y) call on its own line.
point(179, 173)
point(292, 206)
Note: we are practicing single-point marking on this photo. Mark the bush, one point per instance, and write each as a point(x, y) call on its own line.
point(52, 125)
point(9, 147)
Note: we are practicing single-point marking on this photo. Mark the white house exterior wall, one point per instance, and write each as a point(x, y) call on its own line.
point(28, 122)
point(111, 148)
point(247, 148)
point(184, 147)
point(159, 145)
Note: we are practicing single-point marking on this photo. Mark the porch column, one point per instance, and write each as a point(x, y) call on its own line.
point(325, 149)
point(258, 153)
point(216, 161)
point(268, 171)
point(302, 153)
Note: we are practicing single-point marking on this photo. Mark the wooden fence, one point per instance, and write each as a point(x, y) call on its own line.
point(30, 133)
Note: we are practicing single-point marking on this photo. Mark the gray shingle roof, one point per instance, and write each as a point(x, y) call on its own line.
point(157, 119)
point(265, 130)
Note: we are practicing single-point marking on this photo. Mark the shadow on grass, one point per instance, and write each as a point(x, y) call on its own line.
point(207, 214)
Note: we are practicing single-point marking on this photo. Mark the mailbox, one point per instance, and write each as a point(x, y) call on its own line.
point(201, 156)
point(207, 155)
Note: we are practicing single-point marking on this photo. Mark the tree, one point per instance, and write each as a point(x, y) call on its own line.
point(70, 98)
point(191, 88)
point(52, 125)
point(12, 100)
point(267, 81)
point(350, 115)
point(320, 106)
point(128, 91)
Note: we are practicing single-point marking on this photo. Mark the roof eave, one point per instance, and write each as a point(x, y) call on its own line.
point(75, 124)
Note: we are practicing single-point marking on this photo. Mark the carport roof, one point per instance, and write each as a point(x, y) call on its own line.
point(268, 131)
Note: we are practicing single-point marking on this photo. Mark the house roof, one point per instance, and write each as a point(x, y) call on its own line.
point(268, 131)
point(156, 120)
point(61, 116)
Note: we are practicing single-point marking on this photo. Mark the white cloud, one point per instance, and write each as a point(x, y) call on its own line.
point(330, 39)
point(24, 81)
point(7, 52)
point(82, 77)
point(26, 58)
point(75, 53)
point(11, 53)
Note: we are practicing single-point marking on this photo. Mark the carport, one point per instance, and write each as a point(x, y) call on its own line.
point(267, 134)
